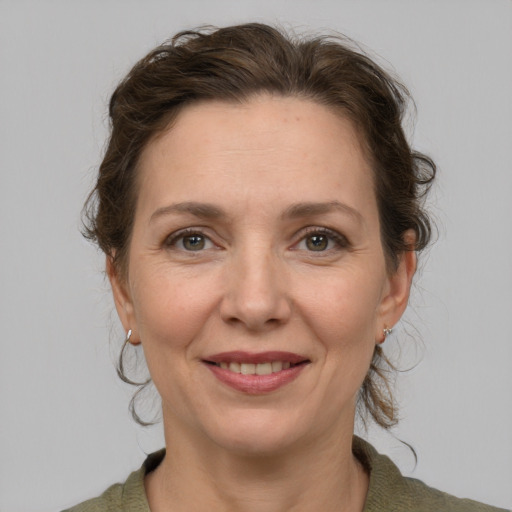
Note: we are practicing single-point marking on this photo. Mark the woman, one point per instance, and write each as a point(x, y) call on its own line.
point(260, 210)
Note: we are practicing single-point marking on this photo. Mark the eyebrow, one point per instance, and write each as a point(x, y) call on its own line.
point(201, 210)
point(311, 209)
point(295, 211)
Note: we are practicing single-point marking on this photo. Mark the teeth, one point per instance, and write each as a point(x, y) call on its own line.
point(234, 367)
point(264, 369)
point(277, 366)
point(256, 369)
point(247, 369)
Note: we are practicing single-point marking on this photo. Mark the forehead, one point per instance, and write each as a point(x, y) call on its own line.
point(274, 146)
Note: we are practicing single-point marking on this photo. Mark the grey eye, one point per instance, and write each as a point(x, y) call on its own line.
point(317, 242)
point(193, 242)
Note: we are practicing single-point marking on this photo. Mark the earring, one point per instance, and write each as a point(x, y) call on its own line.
point(129, 340)
point(387, 331)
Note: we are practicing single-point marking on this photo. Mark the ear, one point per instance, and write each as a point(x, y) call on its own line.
point(396, 294)
point(122, 300)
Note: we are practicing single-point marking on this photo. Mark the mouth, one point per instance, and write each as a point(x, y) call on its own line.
point(256, 373)
point(266, 368)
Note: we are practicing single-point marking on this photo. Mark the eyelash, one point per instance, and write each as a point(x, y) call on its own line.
point(340, 241)
point(172, 240)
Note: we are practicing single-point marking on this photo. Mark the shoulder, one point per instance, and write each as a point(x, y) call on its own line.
point(429, 499)
point(390, 491)
point(129, 496)
point(109, 501)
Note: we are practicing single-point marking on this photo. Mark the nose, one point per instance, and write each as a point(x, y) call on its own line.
point(256, 293)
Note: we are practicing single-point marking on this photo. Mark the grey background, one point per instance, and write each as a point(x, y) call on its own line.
point(65, 430)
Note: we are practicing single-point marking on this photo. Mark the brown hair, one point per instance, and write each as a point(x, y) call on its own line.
point(231, 64)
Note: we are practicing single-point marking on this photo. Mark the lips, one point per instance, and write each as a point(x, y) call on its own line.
point(256, 373)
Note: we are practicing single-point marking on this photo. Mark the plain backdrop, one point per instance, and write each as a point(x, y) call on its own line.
point(65, 432)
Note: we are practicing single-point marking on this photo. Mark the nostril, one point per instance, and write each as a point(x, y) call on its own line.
point(256, 299)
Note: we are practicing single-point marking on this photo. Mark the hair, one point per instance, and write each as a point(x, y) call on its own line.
point(233, 64)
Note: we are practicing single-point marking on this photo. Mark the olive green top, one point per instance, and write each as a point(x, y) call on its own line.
point(389, 491)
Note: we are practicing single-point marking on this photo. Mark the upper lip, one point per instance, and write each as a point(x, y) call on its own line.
point(239, 356)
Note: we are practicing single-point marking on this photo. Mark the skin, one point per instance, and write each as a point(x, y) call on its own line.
point(258, 284)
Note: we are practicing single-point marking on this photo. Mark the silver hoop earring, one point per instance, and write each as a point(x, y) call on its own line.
point(128, 336)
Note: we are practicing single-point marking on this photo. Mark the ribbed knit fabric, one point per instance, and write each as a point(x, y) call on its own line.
point(389, 491)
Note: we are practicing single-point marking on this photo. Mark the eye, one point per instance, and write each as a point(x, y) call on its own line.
point(317, 242)
point(194, 242)
point(322, 240)
point(189, 240)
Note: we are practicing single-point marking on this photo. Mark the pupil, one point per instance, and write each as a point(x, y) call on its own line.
point(194, 242)
point(317, 242)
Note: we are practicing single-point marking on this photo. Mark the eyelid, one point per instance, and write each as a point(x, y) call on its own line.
point(171, 240)
point(340, 240)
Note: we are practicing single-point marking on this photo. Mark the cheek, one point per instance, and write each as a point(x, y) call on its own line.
point(171, 314)
point(343, 314)
point(343, 305)
point(171, 307)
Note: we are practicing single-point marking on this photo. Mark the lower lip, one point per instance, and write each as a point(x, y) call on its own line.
point(256, 384)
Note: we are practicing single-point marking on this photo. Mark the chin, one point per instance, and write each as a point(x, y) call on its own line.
point(262, 434)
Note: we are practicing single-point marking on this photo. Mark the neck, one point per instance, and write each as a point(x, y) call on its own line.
point(323, 476)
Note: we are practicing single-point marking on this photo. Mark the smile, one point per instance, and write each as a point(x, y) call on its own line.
point(256, 373)
point(255, 369)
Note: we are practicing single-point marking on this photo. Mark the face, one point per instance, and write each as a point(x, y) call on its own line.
point(256, 280)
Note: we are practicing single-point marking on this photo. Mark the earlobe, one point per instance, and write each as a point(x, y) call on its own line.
point(122, 300)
